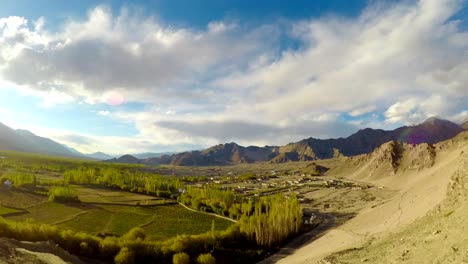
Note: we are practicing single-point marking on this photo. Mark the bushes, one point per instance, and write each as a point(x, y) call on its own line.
point(209, 199)
point(21, 179)
point(125, 256)
point(62, 194)
point(206, 259)
point(181, 258)
point(135, 234)
point(130, 248)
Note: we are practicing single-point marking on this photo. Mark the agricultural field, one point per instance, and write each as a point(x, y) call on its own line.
point(7, 210)
point(113, 212)
point(170, 203)
point(101, 211)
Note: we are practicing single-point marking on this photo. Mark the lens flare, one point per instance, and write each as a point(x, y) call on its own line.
point(113, 98)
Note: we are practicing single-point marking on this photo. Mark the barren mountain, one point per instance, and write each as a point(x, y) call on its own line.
point(423, 222)
point(129, 159)
point(364, 141)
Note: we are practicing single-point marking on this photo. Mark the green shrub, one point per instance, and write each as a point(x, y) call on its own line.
point(125, 256)
point(206, 259)
point(135, 233)
point(21, 179)
point(63, 194)
point(181, 258)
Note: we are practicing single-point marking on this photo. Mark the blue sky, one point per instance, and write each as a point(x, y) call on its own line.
point(137, 76)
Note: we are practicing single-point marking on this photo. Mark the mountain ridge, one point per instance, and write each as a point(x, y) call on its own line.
point(26, 141)
point(364, 141)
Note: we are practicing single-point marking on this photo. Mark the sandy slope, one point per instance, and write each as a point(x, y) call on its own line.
point(420, 189)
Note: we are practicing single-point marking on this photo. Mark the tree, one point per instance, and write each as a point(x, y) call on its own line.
point(181, 258)
point(206, 259)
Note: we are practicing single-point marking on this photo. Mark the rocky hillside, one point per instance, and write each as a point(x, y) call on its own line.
point(423, 220)
point(464, 125)
point(364, 141)
point(388, 159)
point(440, 236)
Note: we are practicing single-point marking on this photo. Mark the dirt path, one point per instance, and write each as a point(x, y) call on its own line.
point(220, 216)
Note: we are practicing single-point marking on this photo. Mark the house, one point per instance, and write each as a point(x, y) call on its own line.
point(8, 184)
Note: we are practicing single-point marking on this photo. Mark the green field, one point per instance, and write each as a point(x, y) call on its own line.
point(102, 210)
point(115, 212)
point(6, 210)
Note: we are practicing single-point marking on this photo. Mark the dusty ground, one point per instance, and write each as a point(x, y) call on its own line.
point(439, 237)
point(16, 252)
point(419, 185)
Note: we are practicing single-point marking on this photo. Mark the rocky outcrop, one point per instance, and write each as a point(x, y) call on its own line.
point(16, 252)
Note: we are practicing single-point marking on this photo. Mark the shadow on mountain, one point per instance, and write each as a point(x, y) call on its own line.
point(325, 223)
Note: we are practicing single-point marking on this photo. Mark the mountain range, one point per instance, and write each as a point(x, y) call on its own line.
point(26, 141)
point(364, 141)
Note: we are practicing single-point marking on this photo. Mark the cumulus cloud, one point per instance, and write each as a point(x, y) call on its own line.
point(404, 61)
point(406, 50)
point(138, 58)
point(256, 133)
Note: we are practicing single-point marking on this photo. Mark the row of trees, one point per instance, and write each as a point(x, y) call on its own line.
point(63, 194)
point(128, 180)
point(274, 219)
point(267, 220)
point(211, 199)
point(20, 179)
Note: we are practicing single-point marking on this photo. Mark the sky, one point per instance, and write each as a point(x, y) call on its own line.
point(171, 75)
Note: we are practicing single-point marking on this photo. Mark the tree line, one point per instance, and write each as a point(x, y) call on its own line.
point(266, 220)
point(127, 180)
point(228, 246)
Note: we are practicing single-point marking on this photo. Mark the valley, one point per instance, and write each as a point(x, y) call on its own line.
point(344, 208)
point(234, 132)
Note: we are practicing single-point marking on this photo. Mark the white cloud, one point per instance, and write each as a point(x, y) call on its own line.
point(406, 50)
point(404, 60)
point(138, 58)
point(414, 110)
point(103, 113)
point(461, 117)
point(362, 110)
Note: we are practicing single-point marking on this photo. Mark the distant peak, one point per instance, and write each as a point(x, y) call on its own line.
point(434, 119)
point(127, 156)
